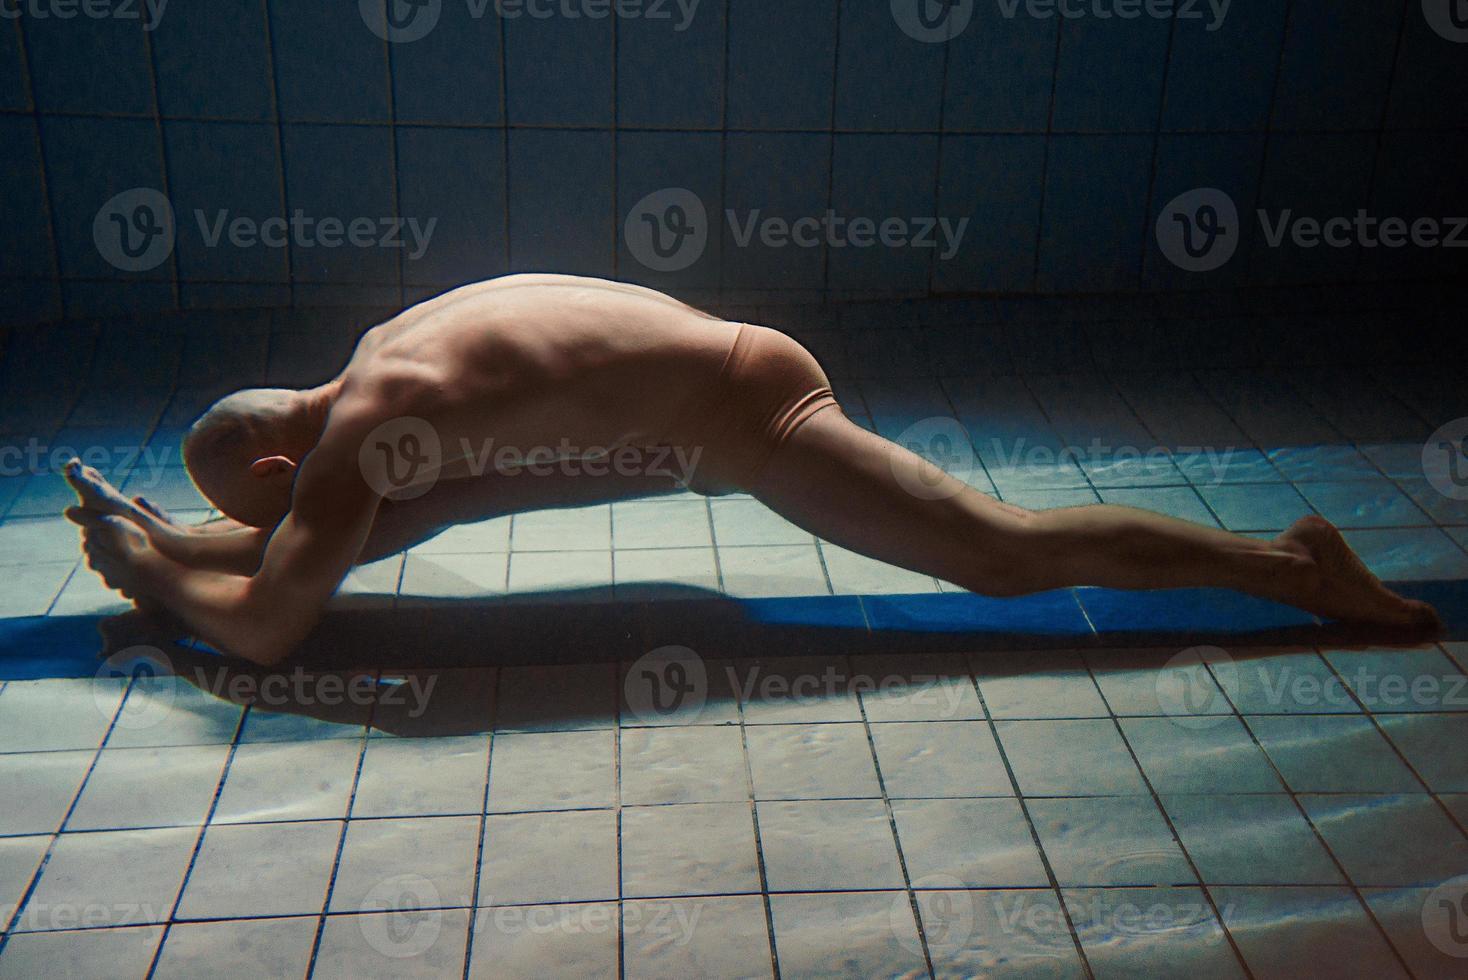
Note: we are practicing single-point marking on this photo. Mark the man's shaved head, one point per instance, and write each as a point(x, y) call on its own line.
point(225, 447)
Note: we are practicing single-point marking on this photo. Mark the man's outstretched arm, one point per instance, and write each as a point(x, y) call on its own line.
point(260, 617)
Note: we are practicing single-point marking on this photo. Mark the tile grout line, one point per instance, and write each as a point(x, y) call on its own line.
point(1019, 797)
point(759, 847)
point(1294, 798)
point(917, 916)
point(483, 815)
point(1156, 799)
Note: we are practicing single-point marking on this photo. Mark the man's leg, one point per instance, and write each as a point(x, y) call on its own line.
point(847, 485)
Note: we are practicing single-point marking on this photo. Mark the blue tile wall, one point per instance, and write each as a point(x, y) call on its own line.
point(25, 249)
point(225, 173)
point(561, 209)
point(14, 88)
point(997, 180)
point(560, 71)
point(456, 176)
point(89, 64)
point(213, 60)
point(342, 173)
point(454, 73)
point(670, 70)
point(1224, 79)
point(782, 62)
point(530, 138)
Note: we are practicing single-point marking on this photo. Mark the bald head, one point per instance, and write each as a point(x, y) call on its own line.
point(242, 452)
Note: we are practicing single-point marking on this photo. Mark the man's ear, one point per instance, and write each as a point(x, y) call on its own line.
point(272, 465)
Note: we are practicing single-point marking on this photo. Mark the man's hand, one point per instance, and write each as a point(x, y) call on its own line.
point(119, 551)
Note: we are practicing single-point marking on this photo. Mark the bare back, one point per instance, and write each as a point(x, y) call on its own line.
point(536, 363)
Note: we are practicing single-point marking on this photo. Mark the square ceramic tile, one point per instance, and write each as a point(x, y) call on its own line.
point(439, 853)
point(1364, 503)
point(1419, 928)
point(828, 845)
point(289, 781)
point(674, 686)
point(1432, 745)
point(39, 788)
point(471, 539)
point(124, 789)
point(665, 574)
point(662, 524)
point(694, 764)
point(313, 706)
point(784, 690)
point(562, 576)
point(879, 936)
point(1160, 682)
point(975, 843)
point(1037, 684)
point(1180, 502)
point(1262, 507)
point(696, 937)
point(1109, 841)
point(1208, 754)
point(749, 522)
point(752, 572)
point(122, 877)
point(1332, 754)
point(434, 703)
point(20, 857)
point(455, 576)
point(556, 698)
point(1069, 758)
point(1387, 681)
point(422, 776)
point(1250, 840)
point(576, 941)
point(567, 529)
point(30, 589)
point(552, 771)
point(1129, 932)
point(261, 870)
point(1268, 682)
point(169, 710)
point(916, 688)
point(549, 857)
point(811, 762)
point(86, 953)
point(45, 715)
point(854, 574)
point(936, 759)
point(405, 945)
point(244, 947)
point(1293, 932)
point(692, 849)
point(1390, 840)
point(992, 932)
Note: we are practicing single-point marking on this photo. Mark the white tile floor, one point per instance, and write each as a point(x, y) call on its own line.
point(952, 814)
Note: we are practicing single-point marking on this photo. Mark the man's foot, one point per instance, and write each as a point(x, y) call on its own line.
point(96, 494)
point(1336, 584)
